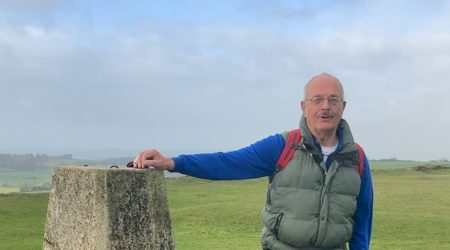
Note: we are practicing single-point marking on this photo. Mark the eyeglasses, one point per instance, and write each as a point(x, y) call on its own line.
point(333, 100)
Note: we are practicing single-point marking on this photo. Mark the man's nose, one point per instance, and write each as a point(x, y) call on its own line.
point(325, 104)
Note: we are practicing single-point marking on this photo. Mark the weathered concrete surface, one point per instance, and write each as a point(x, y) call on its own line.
point(103, 208)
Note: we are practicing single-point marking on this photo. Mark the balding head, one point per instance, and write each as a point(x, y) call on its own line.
point(323, 77)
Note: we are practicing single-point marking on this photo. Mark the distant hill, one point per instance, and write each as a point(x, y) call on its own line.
point(43, 161)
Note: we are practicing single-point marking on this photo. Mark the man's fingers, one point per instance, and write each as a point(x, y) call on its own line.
point(135, 161)
point(145, 158)
point(151, 164)
point(152, 158)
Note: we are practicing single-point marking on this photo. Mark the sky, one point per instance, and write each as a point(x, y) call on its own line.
point(102, 79)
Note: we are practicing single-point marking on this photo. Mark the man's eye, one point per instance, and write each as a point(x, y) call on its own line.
point(333, 100)
point(317, 100)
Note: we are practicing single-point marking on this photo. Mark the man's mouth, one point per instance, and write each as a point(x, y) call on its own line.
point(326, 116)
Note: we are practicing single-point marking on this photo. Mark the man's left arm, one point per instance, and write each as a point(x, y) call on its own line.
point(364, 212)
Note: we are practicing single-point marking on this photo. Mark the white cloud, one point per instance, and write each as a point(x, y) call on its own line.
point(177, 86)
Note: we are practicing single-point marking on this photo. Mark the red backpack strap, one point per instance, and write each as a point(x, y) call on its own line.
point(293, 139)
point(360, 166)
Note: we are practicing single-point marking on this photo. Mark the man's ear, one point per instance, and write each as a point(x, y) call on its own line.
point(302, 106)
point(344, 103)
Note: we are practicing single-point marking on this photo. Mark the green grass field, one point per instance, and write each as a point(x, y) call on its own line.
point(412, 211)
point(22, 220)
point(12, 177)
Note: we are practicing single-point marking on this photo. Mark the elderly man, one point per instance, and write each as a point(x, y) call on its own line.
point(319, 199)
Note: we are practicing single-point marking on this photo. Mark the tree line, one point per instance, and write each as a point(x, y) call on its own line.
point(33, 161)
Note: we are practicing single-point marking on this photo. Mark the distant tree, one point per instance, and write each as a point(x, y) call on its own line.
point(65, 157)
point(443, 159)
point(27, 187)
point(389, 159)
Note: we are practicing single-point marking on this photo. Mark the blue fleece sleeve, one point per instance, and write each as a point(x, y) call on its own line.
point(256, 160)
point(364, 212)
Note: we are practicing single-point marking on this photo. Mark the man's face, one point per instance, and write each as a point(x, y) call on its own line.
point(323, 105)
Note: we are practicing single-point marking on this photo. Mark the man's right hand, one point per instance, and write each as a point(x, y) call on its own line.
point(152, 158)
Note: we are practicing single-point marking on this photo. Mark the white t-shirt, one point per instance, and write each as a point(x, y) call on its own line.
point(326, 151)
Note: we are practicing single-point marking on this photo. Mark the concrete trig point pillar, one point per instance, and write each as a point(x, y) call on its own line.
point(107, 208)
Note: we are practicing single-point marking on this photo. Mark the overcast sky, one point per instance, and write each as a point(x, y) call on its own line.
point(109, 78)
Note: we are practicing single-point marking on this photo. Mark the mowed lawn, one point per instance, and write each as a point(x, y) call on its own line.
point(412, 211)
